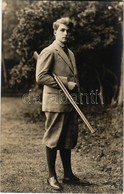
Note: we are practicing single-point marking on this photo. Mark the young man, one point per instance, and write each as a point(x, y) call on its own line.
point(61, 126)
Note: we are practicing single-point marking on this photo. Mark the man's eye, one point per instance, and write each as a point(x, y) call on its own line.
point(67, 31)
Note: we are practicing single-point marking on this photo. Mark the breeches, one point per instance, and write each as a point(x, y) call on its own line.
point(61, 130)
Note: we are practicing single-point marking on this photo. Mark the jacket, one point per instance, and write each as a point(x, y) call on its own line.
point(53, 59)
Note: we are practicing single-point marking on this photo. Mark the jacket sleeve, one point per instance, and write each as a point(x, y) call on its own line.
point(44, 69)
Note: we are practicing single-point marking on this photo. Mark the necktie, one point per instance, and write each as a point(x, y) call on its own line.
point(66, 50)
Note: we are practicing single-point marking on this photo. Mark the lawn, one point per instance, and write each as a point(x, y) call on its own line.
point(96, 158)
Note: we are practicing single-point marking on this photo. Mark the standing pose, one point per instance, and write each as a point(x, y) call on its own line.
point(61, 126)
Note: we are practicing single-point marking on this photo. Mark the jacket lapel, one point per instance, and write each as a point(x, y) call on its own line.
point(63, 55)
point(72, 58)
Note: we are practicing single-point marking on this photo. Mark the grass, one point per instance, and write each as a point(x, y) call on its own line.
point(97, 157)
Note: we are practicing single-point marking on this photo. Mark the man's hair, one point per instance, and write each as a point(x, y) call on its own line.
point(65, 20)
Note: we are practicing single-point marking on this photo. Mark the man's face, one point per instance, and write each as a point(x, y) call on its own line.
point(62, 33)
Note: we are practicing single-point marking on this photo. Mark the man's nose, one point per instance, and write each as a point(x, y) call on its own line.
point(65, 32)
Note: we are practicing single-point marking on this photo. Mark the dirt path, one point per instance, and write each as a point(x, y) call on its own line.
point(23, 157)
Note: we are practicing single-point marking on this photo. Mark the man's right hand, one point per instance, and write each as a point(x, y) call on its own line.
point(72, 85)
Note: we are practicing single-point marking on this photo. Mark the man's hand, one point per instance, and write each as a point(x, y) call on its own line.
point(72, 85)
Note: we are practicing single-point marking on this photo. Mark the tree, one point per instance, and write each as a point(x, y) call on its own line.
point(96, 28)
point(9, 21)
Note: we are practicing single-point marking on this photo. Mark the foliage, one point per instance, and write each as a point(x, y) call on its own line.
point(96, 27)
point(9, 21)
point(96, 23)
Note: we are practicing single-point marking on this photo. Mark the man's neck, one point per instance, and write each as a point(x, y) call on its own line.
point(61, 43)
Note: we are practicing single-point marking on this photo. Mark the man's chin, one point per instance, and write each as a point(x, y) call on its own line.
point(64, 41)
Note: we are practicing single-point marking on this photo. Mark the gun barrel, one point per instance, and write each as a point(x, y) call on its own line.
point(58, 80)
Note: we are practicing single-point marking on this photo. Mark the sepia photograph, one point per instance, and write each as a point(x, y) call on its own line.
point(62, 97)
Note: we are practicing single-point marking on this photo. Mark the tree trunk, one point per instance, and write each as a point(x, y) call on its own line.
point(120, 95)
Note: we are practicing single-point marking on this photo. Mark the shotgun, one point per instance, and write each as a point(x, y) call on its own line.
point(63, 88)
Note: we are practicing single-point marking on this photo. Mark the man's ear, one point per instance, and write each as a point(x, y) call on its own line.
point(54, 32)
